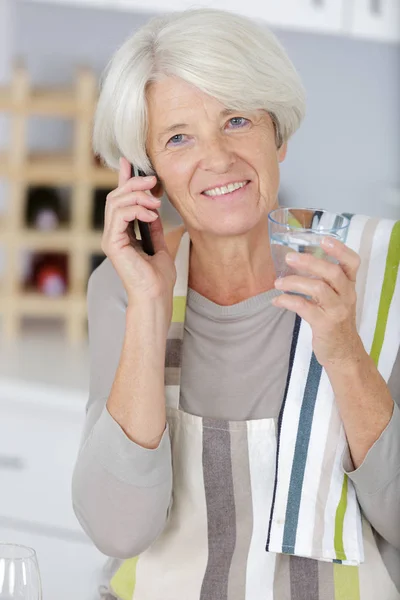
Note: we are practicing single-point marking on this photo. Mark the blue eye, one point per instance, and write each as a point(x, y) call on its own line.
point(238, 122)
point(176, 140)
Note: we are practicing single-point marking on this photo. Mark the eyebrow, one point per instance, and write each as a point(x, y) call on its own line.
point(176, 126)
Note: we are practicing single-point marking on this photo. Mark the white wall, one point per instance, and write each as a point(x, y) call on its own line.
point(347, 153)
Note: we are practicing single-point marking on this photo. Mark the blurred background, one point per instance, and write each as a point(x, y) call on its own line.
point(345, 157)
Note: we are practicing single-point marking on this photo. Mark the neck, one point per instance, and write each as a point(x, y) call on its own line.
point(228, 270)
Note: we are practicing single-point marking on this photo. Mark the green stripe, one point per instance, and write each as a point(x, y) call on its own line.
point(346, 581)
point(388, 287)
point(179, 309)
point(293, 222)
point(339, 521)
point(124, 581)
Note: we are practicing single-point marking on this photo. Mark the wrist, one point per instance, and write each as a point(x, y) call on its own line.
point(151, 313)
point(356, 361)
point(147, 328)
point(352, 374)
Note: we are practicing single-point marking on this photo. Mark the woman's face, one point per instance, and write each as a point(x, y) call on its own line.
point(198, 147)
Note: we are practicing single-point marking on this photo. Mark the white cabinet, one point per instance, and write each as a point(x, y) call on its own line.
point(154, 6)
point(311, 15)
point(324, 16)
point(376, 20)
point(38, 447)
point(371, 19)
point(40, 431)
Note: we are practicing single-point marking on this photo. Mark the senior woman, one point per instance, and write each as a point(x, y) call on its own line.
point(176, 476)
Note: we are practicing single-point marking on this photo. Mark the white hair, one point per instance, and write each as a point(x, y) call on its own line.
point(230, 57)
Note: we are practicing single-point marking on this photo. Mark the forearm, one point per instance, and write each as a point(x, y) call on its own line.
point(137, 398)
point(364, 401)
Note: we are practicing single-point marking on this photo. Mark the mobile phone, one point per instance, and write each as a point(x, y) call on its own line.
point(144, 228)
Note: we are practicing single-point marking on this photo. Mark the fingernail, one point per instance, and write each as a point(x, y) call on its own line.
point(149, 177)
point(155, 200)
point(278, 283)
point(292, 257)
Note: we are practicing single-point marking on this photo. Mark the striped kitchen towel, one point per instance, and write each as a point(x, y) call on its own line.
point(315, 513)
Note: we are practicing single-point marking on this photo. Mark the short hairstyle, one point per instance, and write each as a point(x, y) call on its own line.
point(230, 57)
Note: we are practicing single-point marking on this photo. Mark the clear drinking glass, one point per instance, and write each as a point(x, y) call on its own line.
point(302, 230)
point(19, 573)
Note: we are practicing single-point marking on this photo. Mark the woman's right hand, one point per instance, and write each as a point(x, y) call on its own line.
point(144, 277)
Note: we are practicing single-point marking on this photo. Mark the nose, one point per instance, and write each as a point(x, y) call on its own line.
point(217, 156)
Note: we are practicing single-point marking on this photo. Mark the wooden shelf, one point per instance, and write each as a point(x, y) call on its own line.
point(93, 242)
point(42, 168)
point(50, 103)
point(103, 177)
point(63, 239)
point(75, 169)
point(31, 304)
point(31, 239)
point(34, 303)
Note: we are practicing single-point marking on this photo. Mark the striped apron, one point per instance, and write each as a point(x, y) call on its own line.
point(213, 544)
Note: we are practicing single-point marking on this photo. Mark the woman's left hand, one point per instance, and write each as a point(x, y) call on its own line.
point(332, 311)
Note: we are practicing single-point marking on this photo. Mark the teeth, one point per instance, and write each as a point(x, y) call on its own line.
point(226, 189)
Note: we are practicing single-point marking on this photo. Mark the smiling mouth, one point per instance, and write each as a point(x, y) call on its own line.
point(226, 189)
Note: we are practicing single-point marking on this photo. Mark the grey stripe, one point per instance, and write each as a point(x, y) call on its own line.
point(172, 376)
point(326, 478)
point(220, 501)
point(326, 582)
point(173, 356)
point(365, 254)
point(243, 510)
point(303, 578)
point(282, 577)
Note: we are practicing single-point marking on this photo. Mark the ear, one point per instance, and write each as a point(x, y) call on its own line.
point(158, 189)
point(282, 152)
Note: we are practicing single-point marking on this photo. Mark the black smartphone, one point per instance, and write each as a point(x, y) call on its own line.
point(144, 228)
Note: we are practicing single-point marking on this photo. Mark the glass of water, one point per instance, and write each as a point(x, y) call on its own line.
point(19, 573)
point(302, 230)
